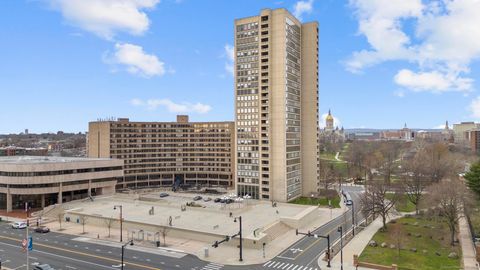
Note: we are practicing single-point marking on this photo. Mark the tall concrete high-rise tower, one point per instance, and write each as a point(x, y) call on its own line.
point(276, 106)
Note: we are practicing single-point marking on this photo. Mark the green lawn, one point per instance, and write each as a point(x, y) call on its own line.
point(431, 240)
point(328, 156)
point(475, 219)
point(403, 205)
point(317, 201)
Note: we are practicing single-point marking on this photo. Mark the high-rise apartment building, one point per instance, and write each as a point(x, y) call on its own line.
point(276, 106)
point(167, 153)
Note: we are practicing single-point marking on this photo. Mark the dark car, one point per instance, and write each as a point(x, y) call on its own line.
point(229, 201)
point(163, 195)
point(42, 229)
point(197, 198)
point(43, 267)
point(217, 200)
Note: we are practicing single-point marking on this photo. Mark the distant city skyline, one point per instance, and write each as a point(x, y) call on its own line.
point(381, 65)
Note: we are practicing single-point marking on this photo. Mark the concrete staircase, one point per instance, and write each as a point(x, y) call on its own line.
point(276, 230)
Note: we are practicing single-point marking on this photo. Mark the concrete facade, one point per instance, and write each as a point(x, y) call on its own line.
point(165, 153)
point(276, 106)
point(42, 181)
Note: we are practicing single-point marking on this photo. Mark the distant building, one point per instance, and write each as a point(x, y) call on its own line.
point(167, 153)
point(404, 134)
point(474, 137)
point(363, 136)
point(22, 151)
point(461, 134)
point(331, 133)
point(43, 181)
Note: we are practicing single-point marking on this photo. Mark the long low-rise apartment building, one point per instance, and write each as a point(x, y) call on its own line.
point(167, 153)
point(43, 181)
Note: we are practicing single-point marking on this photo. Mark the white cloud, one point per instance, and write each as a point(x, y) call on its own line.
point(106, 17)
point(444, 40)
point(184, 107)
point(136, 60)
point(302, 7)
point(474, 107)
point(434, 81)
point(230, 54)
point(336, 121)
point(442, 126)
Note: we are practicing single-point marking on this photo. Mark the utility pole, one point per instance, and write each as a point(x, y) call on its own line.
point(121, 220)
point(309, 234)
point(340, 230)
point(27, 236)
point(353, 218)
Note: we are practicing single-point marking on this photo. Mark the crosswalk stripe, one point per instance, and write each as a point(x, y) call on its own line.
point(290, 267)
point(275, 266)
point(280, 265)
point(267, 263)
point(285, 266)
point(295, 267)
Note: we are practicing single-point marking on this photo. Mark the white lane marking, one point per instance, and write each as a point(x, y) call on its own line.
point(70, 267)
point(59, 256)
point(281, 265)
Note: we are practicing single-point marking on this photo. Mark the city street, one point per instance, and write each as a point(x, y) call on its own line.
point(63, 251)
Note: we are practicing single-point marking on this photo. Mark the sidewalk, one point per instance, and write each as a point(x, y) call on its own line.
point(354, 247)
point(468, 249)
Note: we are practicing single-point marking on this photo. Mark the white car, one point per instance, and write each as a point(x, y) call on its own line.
point(19, 225)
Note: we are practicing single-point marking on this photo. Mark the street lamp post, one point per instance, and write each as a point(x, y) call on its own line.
point(309, 234)
point(240, 235)
point(340, 230)
point(123, 250)
point(121, 220)
point(353, 218)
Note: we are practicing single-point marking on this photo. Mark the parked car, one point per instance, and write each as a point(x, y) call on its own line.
point(42, 229)
point(19, 225)
point(229, 201)
point(163, 195)
point(217, 200)
point(207, 199)
point(43, 267)
point(197, 198)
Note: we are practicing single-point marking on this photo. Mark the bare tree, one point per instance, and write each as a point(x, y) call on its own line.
point(164, 231)
point(376, 202)
point(451, 199)
point(109, 223)
point(327, 173)
point(83, 221)
point(60, 216)
point(415, 179)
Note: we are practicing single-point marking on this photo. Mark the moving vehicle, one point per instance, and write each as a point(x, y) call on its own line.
point(197, 198)
point(163, 195)
point(217, 200)
point(43, 267)
point(19, 225)
point(207, 199)
point(348, 199)
point(42, 229)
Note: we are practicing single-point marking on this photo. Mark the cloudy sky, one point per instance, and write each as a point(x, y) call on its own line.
point(382, 62)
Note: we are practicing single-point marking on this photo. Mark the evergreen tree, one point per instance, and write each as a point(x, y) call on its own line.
point(473, 178)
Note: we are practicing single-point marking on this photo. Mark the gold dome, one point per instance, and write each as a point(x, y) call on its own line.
point(329, 116)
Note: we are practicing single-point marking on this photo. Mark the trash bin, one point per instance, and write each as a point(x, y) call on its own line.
point(158, 243)
point(205, 250)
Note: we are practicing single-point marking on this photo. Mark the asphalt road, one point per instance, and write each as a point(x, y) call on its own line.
point(305, 252)
point(67, 252)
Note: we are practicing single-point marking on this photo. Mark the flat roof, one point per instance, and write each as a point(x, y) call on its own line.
point(46, 159)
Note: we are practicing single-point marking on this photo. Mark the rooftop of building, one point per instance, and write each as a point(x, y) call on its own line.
point(45, 159)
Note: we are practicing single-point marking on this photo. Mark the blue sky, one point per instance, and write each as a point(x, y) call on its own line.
point(382, 63)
